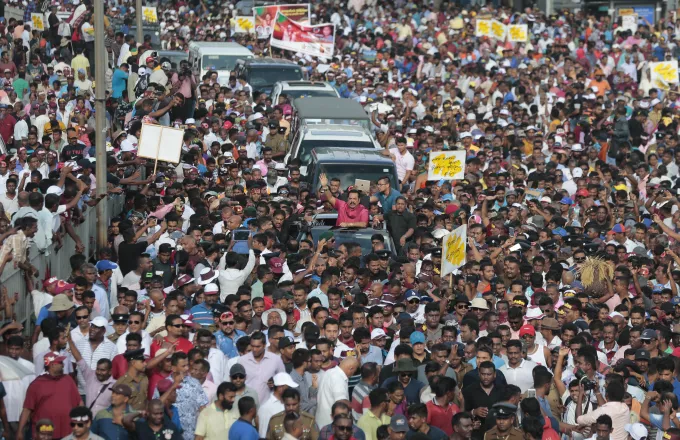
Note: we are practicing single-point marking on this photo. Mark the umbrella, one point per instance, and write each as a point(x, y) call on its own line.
point(12, 370)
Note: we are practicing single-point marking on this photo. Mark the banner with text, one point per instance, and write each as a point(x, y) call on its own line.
point(149, 14)
point(664, 74)
point(518, 33)
point(454, 250)
point(483, 28)
point(317, 40)
point(447, 165)
point(265, 17)
point(243, 24)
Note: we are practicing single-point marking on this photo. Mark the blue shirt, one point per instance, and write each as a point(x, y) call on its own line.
point(119, 83)
point(388, 201)
point(104, 427)
point(241, 430)
point(202, 314)
point(228, 344)
point(497, 361)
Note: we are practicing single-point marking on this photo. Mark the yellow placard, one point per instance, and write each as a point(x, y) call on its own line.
point(483, 28)
point(448, 165)
point(243, 24)
point(627, 11)
point(664, 74)
point(37, 22)
point(454, 248)
point(498, 30)
point(518, 32)
point(149, 14)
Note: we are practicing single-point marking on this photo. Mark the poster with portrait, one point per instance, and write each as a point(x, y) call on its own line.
point(317, 40)
point(265, 17)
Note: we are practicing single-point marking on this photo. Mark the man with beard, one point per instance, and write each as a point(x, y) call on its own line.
point(291, 403)
point(215, 420)
point(351, 214)
point(237, 374)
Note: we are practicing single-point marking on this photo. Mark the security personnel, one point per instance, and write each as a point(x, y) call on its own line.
point(277, 140)
point(505, 419)
point(136, 378)
point(291, 401)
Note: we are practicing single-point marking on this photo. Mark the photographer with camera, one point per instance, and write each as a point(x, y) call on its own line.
point(184, 82)
point(614, 408)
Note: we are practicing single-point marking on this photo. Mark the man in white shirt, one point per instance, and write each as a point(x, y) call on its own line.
point(275, 403)
point(518, 371)
point(333, 387)
point(16, 389)
point(403, 160)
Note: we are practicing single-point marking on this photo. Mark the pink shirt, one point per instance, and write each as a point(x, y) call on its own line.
point(349, 215)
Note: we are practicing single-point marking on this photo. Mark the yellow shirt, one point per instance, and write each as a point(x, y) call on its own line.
point(369, 423)
point(80, 62)
point(213, 423)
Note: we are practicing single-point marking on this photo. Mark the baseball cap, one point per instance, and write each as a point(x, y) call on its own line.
point(61, 287)
point(619, 229)
point(399, 423)
point(164, 385)
point(527, 329)
point(648, 334)
point(636, 430)
point(122, 389)
point(285, 342)
point(99, 321)
point(417, 338)
point(281, 379)
point(642, 355)
point(378, 333)
point(53, 358)
point(103, 265)
point(276, 265)
point(211, 289)
point(237, 369)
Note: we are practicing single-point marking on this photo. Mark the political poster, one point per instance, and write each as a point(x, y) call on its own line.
point(447, 165)
point(317, 40)
point(498, 30)
point(664, 74)
point(454, 250)
point(483, 28)
point(265, 17)
point(149, 14)
point(629, 22)
point(242, 24)
point(518, 33)
point(38, 22)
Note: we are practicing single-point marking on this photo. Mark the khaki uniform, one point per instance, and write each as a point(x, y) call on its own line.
point(275, 431)
point(513, 434)
point(140, 388)
point(113, 337)
point(278, 143)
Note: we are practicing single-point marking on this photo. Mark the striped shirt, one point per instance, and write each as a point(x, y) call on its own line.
point(105, 350)
point(360, 392)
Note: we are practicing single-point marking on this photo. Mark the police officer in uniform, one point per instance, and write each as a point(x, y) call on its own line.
point(120, 324)
point(505, 420)
point(291, 401)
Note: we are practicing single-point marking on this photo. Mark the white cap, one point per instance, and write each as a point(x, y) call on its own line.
point(280, 166)
point(636, 430)
point(655, 102)
point(546, 199)
point(577, 147)
point(127, 145)
point(465, 134)
point(212, 288)
point(378, 333)
point(190, 121)
point(255, 116)
point(281, 379)
point(141, 71)
point(440, 233)
point(99, 321)
point(577, 172)
point(471, 117)
point(54, 189)
point(533, 313)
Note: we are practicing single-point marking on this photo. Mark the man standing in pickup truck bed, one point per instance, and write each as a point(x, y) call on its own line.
point(351, 214)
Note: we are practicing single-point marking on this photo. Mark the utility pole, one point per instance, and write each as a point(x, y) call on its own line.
point(101, 58)
point(140, 26)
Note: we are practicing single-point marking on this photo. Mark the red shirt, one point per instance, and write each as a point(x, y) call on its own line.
point(7, 131)
point(349, 215)
point(120, 366)
point(182, 345)
point(53, 398)
point(440, 417)
point(155, 377)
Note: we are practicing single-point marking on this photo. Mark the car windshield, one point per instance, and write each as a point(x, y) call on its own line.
point(294, 94)
point(305, 154)
point(220, 62)
point(174, 59)
point(361, 236)
point(363, 123)
point(349, 173)
point(266, 76)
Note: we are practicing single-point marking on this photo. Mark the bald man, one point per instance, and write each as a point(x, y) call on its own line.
point(334, 387)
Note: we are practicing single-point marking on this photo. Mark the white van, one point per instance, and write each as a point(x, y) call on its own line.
point(205, 56)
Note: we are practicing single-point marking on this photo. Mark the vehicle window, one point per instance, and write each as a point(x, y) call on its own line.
point(220, 62)
point(264, 76)
point(305, 151)
point(348, 173)
point(306, 93)
point(361, 237)
point(363, 123)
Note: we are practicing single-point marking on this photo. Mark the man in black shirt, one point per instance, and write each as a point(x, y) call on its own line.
point(156, 425)
point(481, 396)
point(131, 249)
point(401, 223)
point(74, 150)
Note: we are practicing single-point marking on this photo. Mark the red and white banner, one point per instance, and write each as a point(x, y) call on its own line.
point(317, 40)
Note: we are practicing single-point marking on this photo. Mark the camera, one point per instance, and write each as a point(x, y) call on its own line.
point(588, 385)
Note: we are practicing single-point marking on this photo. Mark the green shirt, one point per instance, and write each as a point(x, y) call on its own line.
point(369, 423)
point(20, 85)
point(256, 290)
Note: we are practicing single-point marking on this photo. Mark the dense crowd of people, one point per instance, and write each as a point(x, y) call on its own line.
point(219, 309)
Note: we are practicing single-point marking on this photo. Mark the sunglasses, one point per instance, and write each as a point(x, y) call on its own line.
point(228, 323)
point(134, 322)
point(646, 341)
point(178, 325)
point(78, 424)
point(406, 374)
point(580, 260)
point(81, 318)
point(464, 306)
point(343, 428)
point(414, 301)
point(238, 376)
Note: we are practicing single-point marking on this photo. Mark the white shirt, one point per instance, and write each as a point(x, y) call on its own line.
point(520, 376)
point(270, 408)
point(40, 300)
point(16, 392)
point(332, 387)
point(77, 334)
point(218, 365)
point(131, 280)
point(404, 162)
